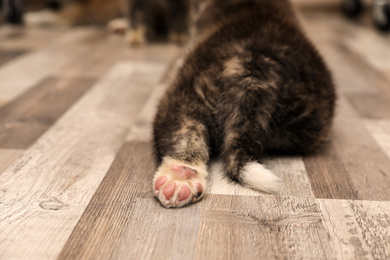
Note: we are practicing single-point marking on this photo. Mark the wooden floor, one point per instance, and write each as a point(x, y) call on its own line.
point(76, 165)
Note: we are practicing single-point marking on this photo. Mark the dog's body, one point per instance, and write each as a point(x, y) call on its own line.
point(252, 84)
point(158, 19)
point(11, 11)
point(148, 20)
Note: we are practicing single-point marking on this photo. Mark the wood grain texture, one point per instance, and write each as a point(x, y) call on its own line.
point(266, 227)
point(358, 229)
point(158, 233)
point(25, 119)
point(45, 191)
point(111, 205)
point(354, 166)
point(7, 157)
point(329, 176)
point(125, 222)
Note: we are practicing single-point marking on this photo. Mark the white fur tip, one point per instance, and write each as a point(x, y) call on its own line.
point(256, 177)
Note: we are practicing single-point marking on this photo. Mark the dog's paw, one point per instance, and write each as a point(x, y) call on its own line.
point(179, 38)
point(136, 36)
point(118, 25)
point(177, 183)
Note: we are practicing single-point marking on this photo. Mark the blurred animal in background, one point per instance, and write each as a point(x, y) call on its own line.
point(12, 11)
point(93, 11)
point(144, 20)
point(158, 19)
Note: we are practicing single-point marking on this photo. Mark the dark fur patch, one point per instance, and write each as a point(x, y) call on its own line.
point(159, 17)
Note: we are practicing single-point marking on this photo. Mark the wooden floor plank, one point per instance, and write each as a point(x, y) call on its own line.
point(155, 53)
point(20, 74)
point(159, 233)
point(27, 37)
point(351, 72)
point(362, 41)
point(123, 221)
point(104, 52)
point(370, 106)
point(380, 130)
point(142, 128)
point(358, 229)
point(25, 119)
point(112, 203)
point(354, 167)
point(294, 176)
point(266, 227)
point(329, 176)
point(46, 191)
point(7, 157)
point(349, 78)
point(7, 55)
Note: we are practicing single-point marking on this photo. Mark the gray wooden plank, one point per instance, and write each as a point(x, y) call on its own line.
point(266, 227)
point(45, 191)
point(108, 213)
point(24, 72)
point(358, 229)
point(7, 157)
point(354, 166)
point(124, 221)
point(27, 117)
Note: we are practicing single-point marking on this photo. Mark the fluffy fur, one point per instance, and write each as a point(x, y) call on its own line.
point(252, 84)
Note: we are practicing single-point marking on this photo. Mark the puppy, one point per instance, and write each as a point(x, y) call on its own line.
point(152, 20)
point(252, 84)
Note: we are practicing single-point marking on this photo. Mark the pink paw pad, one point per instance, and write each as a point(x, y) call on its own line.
point(184, 172)
point(184, 193)
point(159, 182)
point(169, 190)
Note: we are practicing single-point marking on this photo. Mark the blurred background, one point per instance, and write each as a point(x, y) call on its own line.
point(101, 12)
